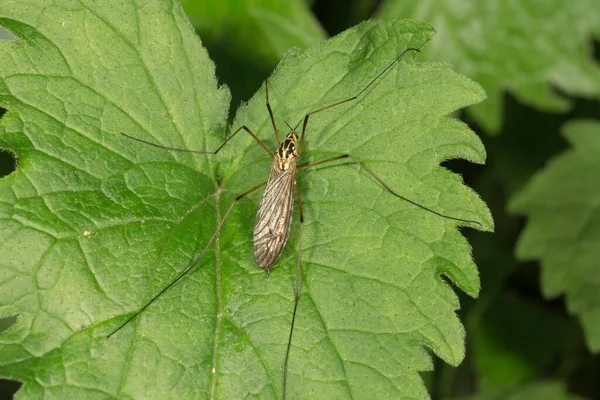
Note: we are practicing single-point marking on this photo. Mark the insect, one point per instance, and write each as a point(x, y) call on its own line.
point(274, 215)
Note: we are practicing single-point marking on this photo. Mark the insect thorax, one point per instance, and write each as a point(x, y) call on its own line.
point(286, 152)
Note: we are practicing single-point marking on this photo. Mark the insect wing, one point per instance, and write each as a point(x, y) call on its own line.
point(274, 215)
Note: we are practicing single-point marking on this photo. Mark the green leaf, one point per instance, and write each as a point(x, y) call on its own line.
point(93, 224)
point(562, 229)
point(247, 39)
point(526, 47)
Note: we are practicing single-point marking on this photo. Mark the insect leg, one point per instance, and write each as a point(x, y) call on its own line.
point(296, 293)
point(244, 127)
point(177, 224)
point(386, 69)
point(385, 185)
point(193, 263)
point(271, 113)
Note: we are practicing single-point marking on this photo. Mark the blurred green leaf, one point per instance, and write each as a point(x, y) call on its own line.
point(337, 15)
point(92, 224)
point(563, 228)
point(523, 46)
point(515, 339)
point(247, 38)
point(549, 390)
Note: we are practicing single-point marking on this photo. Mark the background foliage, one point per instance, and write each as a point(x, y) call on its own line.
point(535, 330)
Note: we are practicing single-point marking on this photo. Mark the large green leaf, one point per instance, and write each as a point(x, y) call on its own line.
point(562, 229)
point(92, 224)
point(523, 46)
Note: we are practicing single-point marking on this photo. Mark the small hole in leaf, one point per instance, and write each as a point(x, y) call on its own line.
point(8, 388)
point(8, 163)
point(8, 160)
point(7, 322)
point(7, 35)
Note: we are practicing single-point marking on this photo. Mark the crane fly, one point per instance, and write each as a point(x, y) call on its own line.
point(274, 216)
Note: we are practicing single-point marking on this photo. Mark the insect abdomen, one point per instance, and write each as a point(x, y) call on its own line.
point(274, 215)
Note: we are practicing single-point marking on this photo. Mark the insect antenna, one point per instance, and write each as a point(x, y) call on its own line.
point(289, 126)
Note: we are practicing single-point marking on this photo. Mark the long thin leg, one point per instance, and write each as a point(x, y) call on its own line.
point(382, 183)
point(386, 69)
point(296, 293)
point(244, 127)
point(271, 113)
point(178, 223)
point(193, 263)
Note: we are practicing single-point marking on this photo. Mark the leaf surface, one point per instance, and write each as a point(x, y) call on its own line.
point(93, 224)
